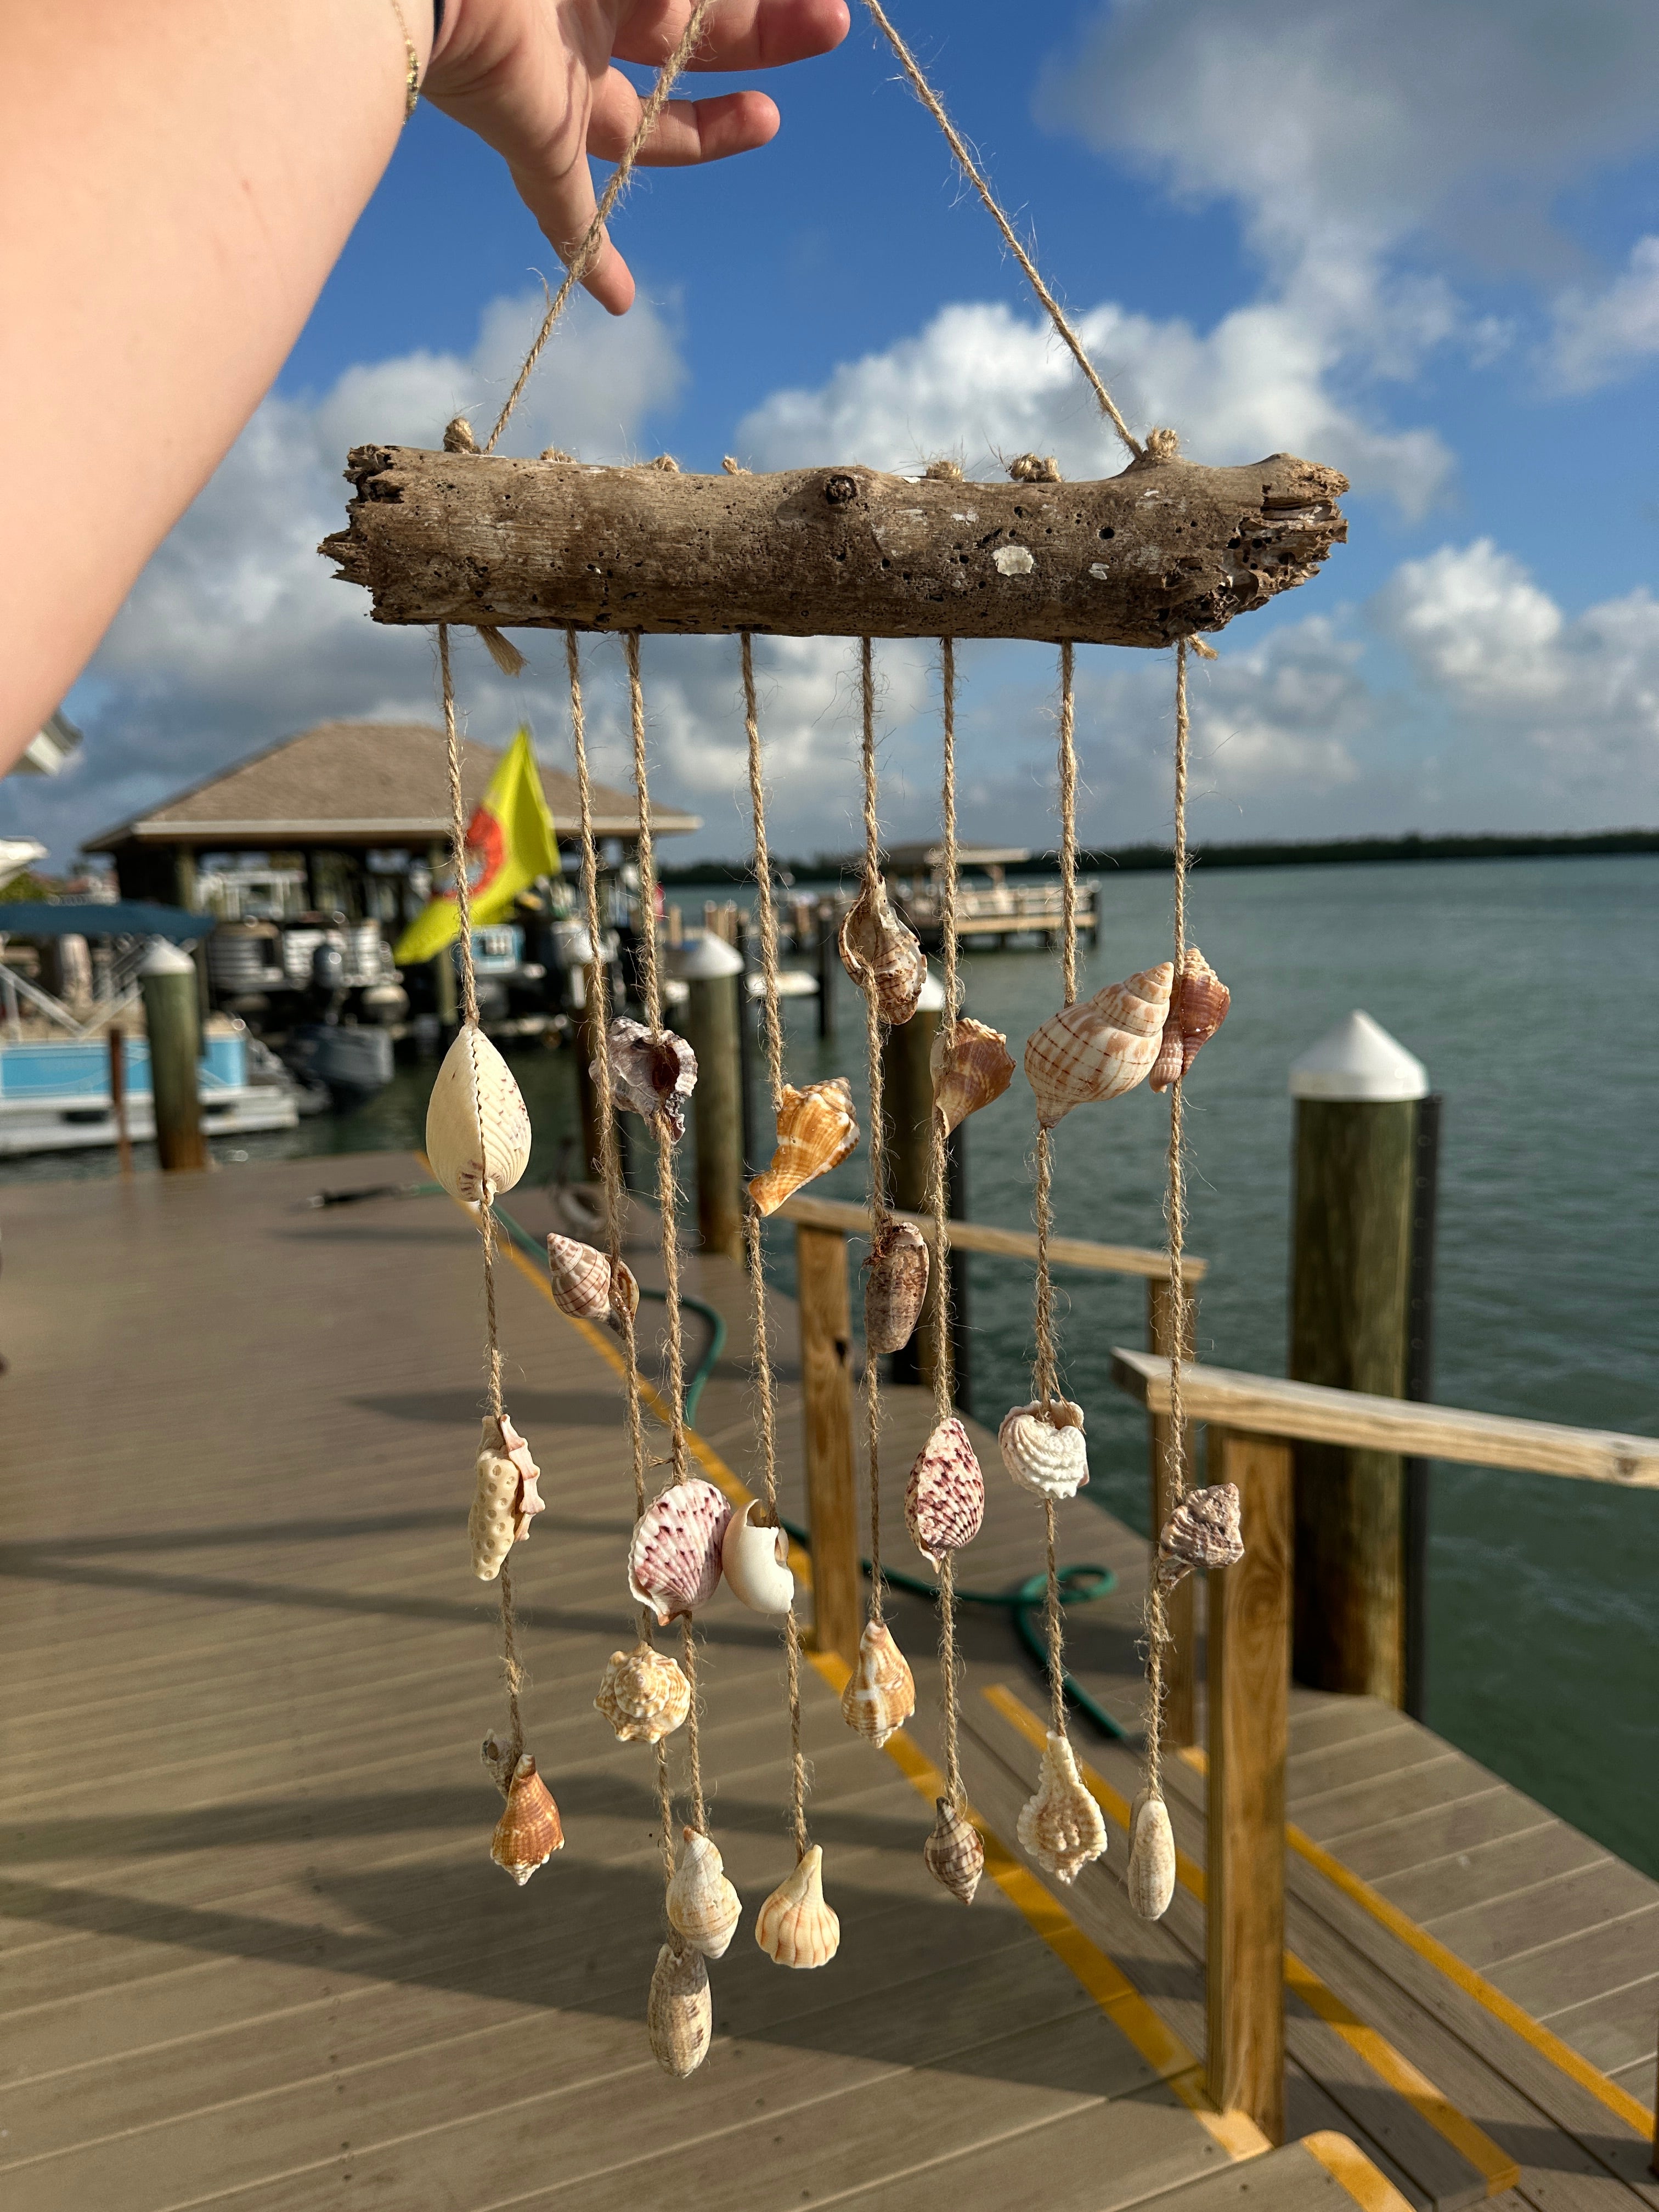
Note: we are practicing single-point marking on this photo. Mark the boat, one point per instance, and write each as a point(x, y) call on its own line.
point(55, 1091)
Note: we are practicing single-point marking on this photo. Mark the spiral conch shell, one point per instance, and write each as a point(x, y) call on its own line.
point(528, 1833)
point(643, 1694)
point(585, 1284)
point(679, 2014)
point(674, 1560)
point(953, 1854)
point(882, 956)
point(1100, 1047)
point(702, 1905)
point(654, 1075)
point(1203, 1531)
point(880, 1692)
point(755, 1559)
point(1060, 1827)
point(944, 1498)
point(1151, 1877)
point(1198, 1007)
point(972, 1065)
point(1043, 1448)
point(895, 1286)
point(816, 1133)
point(795, 1927)
point(478, 1126)
point(506, 1499)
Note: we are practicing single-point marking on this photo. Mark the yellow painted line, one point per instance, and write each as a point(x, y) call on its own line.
point(1561, 2055)
point(1348, 2165)
point(1117, 1997)
point(1472, 2142)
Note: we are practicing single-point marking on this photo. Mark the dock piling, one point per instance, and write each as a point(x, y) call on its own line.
point(826, 1365)
point(118, 1096)
point(167, 979)
point(712, 973)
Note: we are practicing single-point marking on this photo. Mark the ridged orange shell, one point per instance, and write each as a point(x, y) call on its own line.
point(1198, 1007)
point(971, 1065)
point(478, 1126)
point(528, 1833)
point(585, 1286)
point(882, 956)
point(1100, 1047)
point(895, 1286)
point(816, 1132)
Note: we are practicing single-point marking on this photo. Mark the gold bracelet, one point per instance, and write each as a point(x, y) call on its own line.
point(412, 79)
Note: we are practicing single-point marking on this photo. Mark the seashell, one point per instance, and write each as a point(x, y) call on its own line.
point(585, 1286)
point(478, 1126)
point(1043, 1448)
point(1152, 1856)
point(972, 1065)
point(816, 1133)
point(1198, 1007)
point(1060, 1827)
point(702, 1905)
point(953, 1853)
point(653, 1074)
point(895, 1286)
point(1203, 1531)
point(882, 956)
point(643, 1694)
point(674, 1560)
point(754, 1558)
point(880, 1692)
point(528, 1833)
point(678, 2015)
point(795, 1927)
point(944, 1498)
point(1100, 1047)
point(506, 1498)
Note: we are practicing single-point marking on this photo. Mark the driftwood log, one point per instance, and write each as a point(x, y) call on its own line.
point(1166, 549)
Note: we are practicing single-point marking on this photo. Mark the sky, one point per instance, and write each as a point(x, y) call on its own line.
point(1418, 242)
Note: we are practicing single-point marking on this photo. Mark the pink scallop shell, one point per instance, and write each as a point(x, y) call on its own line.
point(944, 1498)
point(674, 1560)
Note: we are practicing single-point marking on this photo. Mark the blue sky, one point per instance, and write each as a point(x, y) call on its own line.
point(1419, 241)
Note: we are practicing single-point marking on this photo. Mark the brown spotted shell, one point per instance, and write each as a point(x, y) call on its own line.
point(1198, 1007)
point(1151, 1876)
point(895, 1285)
point(882, 956)
point(953, 1854)
point(971, 1065)
point(816, 1131)
point(1099, 1048)
point(1203, 1531)
point(944, 1498)
point(528, 1833)
point(880, 1694)
point(478, 1126)
point(643, 1694)
point(654, 1075)
point(585, 1286)
point(1043, 1449)
point(679, 2014)
point(795, 1927)
point(674, 1560)
point(1060, 1826)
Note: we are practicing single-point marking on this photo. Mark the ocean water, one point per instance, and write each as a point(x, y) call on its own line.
point(1528, 988)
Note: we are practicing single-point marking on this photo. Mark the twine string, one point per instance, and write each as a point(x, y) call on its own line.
point(938, 1163)
point(880, 1214)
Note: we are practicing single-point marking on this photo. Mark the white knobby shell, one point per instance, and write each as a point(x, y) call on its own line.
point(880, 1692)
point(674, 1560)
point(678, 2015)
point(1204, 1530)
point(1043, 1448)
point(795, 1927)
point(1060, 1826)
point(701, 1903)
point(755, 1559)
point(643, 1694)
point(478, 1127)
point(1151, 1878)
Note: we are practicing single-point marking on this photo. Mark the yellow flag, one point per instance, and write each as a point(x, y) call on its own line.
point(509, 842)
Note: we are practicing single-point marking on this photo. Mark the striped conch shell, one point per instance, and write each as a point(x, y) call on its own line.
point(478, 1126)
point(755, 1559)
point(880, 1692)
point(678, 2015)
point(674, 1560)
point(585, 1284)
point(654, 1075)
point(643, 1694)
point(1151, 1878)
point(1203, 1531)
point(528, 1833)
point(506, 1498)
point(1060, 1827)
point(795, 1927)
point(1043, 1448)
point(1100, 1047)
point(1198, 1007)
point(882, 956)
point(972, 1065)
point(816, 1133)
point(895, 1284)
point(953, 1854)
point(944, 1498)
point(702, 1905)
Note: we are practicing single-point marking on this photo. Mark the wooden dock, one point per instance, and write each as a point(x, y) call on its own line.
point(255, 1955)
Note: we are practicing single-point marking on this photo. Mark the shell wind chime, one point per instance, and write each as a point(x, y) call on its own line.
point(1150, 559)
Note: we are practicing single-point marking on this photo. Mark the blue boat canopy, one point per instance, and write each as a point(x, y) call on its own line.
point(124, 918)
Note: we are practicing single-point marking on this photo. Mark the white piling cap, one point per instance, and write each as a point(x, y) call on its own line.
point(165, 959)
point(931, 1000)
point(1359, 1059)
point(704, 956)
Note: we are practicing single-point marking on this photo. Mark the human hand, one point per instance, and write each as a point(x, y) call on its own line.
point(534, 79)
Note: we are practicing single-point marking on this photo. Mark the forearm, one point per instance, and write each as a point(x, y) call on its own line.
point(176, 181)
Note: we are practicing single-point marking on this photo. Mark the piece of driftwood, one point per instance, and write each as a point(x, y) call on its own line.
point(1165, 548)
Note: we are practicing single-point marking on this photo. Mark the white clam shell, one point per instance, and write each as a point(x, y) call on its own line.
point(1151, 1877)
point(679, 2014)
point(478, 1127)
point(755, 1561)
point(1043, 1449)
point(795, 1927)
point(702, 1904)
point(674, 1560)
point(1060, 1826)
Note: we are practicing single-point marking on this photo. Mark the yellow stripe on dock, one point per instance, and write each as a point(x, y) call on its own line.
point(1348, 2165)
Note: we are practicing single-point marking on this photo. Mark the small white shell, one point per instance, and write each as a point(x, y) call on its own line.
point(678, 2015)
point(674, 1560)
point(755, 1561)
point(478, 1127)
point(1060, 1827)
point(880, 1694)
point(1043, 1449)
point(701, 1903)
point(1151, 1878)
point(795, 1927)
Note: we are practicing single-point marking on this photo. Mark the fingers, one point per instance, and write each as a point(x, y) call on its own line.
point(563, 208)
point(740, 34)
point(687, 132)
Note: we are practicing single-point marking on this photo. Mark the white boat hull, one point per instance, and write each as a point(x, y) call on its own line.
point(71, 1124)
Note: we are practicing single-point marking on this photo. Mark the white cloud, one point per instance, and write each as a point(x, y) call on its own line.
point(1600, 337)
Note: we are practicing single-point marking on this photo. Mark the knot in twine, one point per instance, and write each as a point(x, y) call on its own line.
point(1036, 468)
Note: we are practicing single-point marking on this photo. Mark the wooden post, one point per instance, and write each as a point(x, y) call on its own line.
point(589, 1045)
point(829, 960)
point(908, 1095)
point(1181, 1605)
point(1356, 1122)
point(1250, 1611)
point(826, 1366)
point(118, 1096)
point(1419, 1387)
point(167, 978)
point(713, 974)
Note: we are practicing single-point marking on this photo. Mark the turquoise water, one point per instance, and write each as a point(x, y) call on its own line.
point(1527, 987)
